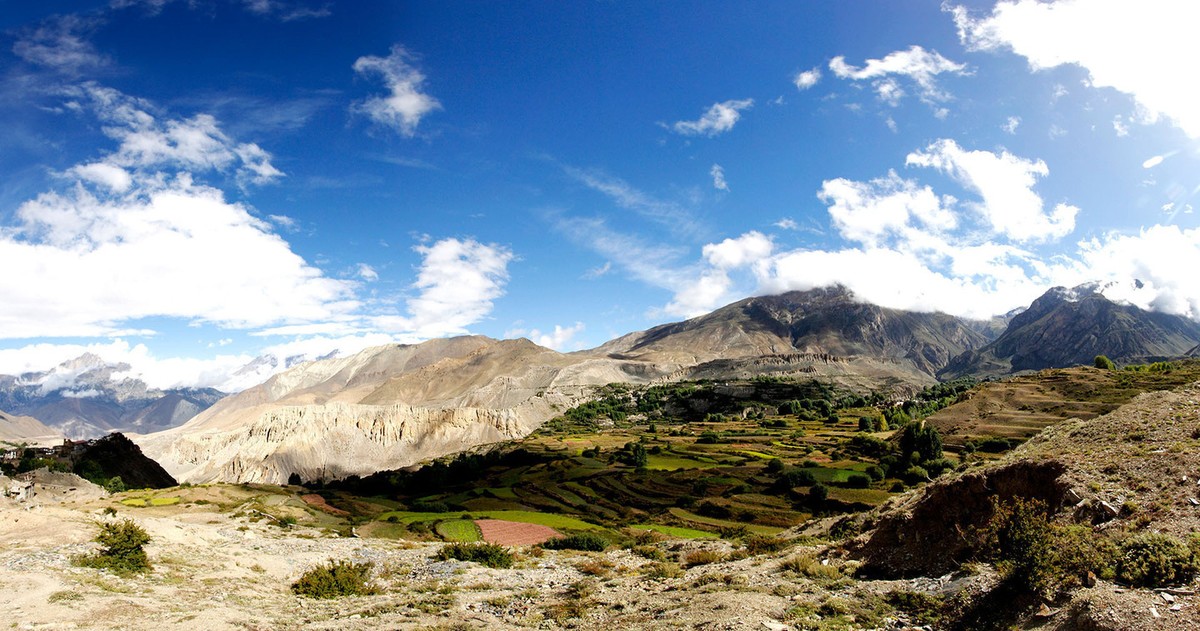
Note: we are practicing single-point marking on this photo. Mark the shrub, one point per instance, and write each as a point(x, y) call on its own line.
point(1104, 363)
point(818, 493)
point(702, 557)
point(430, 507)
point(586, 541)
point(1033, 552)
point(858, 481)
point(335, 579)
point(915, 474)
point(662, 569)
point(762, 544)
point(774, 465)
point(115, 485)
point(808, 565)
point(1155, 560)
point(121, 549)
point(714, 510)
point(486, 554)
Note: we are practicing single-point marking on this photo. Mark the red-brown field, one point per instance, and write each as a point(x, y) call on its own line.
point(511, 533)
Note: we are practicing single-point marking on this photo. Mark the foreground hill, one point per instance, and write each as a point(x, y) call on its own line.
point(385, 407)
point(823, 322)
point(88, 397)
point(1068, 327)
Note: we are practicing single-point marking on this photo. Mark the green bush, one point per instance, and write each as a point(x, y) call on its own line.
point(486, 554)
point(336, 579)
point(1042, 556)
point(121, 549)
point(1155, 560)
point(586, 541)
point(858, 481)
point(1104, 363)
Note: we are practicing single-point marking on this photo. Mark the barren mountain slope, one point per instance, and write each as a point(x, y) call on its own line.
point(26, 429)
point(386, 407)
point(824, 321)
point(1067, 327)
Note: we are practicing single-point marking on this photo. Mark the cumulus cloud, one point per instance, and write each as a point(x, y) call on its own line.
point(407, 103)
point(148, 144)
point(1004, 183)
point(560, 339)
point(457, 281)
point(807, 79)
point(718, 178)
point(134, 236)
point(867, 212)
point(719, 118)
point(1125, 46)
point(916, 64)
point(1010, 125)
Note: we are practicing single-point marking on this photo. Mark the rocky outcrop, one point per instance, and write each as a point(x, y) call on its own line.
point(324, 442)
point(929, 534)
point(117, 456)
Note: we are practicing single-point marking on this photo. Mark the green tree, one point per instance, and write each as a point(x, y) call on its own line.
point(1104, 363)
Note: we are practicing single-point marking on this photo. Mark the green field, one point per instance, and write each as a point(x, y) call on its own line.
point(663, 462)
point(526, 517)
point(724, 523)
point(458, 530)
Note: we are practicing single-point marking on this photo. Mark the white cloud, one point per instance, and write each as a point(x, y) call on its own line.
point(1010, 125)
point(739, 252)
point(1152, 162)
point(407, 102)
point(560, 339)
point(457, 282)
point(1005, 184)
point(807, 79)
point(597, 272)
point(718, 178)
point(111, 176)
point(869, 212)
point(917, 64)
point(667, 213)
point(787, 223)
point(1133, 47)
point(285, 11)
point(61, 43)
point(367, 273)
point(719, 118)
point(148, 145)
point(1120, 127)
point(133, 236)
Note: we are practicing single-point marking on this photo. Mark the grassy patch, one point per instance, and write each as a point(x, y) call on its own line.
point(458, 530)
point(724, 523)
point(163, 501)
point(136, 502)
point(677, 532)
point(664, 462)
point(525, 517)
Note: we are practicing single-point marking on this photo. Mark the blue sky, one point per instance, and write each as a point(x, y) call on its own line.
point(190, 184)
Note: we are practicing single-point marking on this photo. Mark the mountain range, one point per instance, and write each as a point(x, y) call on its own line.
point(396, 405)
point(88, 397)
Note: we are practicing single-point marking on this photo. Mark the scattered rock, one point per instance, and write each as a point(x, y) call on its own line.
point(1089, 579)
point(1167, 597)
